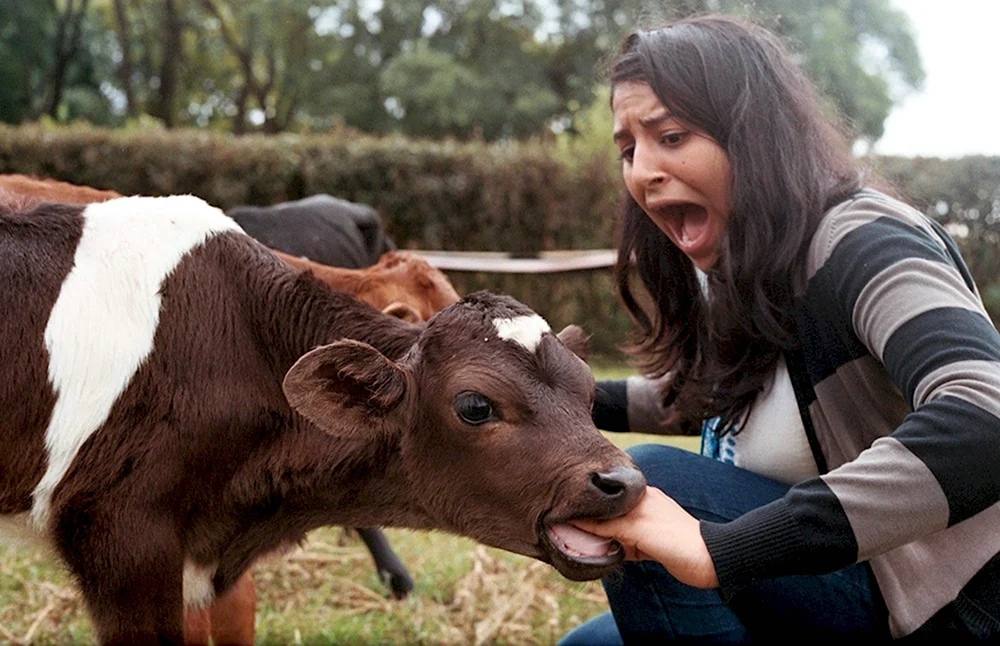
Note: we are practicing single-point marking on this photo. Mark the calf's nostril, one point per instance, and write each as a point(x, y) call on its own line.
point(607, 485)
point(618, 481)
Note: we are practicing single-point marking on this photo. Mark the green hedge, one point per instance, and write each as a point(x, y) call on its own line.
point(516, 197)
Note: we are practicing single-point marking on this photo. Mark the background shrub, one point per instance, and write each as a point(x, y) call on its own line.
point(519, 197)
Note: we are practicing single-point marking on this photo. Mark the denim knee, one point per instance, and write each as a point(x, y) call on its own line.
point(654, 456)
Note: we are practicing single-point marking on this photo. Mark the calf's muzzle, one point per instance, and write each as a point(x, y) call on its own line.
point(581, 556)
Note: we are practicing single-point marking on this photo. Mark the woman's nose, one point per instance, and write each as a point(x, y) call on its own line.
point(646, 168)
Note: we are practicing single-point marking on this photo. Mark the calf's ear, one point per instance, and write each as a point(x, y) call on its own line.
point(574, 338)
point(346, 388)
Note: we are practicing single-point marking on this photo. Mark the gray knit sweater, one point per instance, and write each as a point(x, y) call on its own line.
point(900, 377)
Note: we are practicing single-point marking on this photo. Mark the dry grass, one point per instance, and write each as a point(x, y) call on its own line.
point(327, 592)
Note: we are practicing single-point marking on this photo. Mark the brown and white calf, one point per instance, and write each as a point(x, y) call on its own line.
point(401, 284)
point(177, 402)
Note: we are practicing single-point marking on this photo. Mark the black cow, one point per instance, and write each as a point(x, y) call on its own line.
point(322, 228)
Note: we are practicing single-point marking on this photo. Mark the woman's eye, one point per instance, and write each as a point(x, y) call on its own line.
point(627, 153)
point(673, 138)
point(475, 409)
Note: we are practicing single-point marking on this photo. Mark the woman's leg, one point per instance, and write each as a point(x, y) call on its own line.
point(599, 631)
point(647, 602)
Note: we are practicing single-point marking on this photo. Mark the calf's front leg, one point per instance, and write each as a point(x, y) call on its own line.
point(130, 571)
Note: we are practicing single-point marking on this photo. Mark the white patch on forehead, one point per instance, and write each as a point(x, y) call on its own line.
point(526, 330)
point(102, 325)
point(199, 591)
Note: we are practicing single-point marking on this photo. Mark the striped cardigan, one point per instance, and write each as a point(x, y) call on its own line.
point(899, 382)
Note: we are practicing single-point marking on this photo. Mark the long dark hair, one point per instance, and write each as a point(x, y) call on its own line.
point(735, 82)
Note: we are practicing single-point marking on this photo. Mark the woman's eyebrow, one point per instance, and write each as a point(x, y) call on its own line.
point(650, 122)
point(647, 122)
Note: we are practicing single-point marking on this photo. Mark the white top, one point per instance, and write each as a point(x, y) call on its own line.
point(771, 441)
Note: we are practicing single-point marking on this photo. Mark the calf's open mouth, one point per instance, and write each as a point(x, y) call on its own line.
point(576, 554)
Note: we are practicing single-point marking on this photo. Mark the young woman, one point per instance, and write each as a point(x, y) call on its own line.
point(836, 343)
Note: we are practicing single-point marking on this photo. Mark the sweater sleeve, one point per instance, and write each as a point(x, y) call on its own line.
point(884, 289)
point(610, 412)
point(633, 404)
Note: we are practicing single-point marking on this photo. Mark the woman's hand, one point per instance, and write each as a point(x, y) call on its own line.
point(659, 529)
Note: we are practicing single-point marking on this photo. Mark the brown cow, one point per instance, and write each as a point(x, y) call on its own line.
point(52, 190)
point(178, 402)
point(401, 284)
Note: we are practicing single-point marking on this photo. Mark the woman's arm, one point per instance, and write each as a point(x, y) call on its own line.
point(634, 404)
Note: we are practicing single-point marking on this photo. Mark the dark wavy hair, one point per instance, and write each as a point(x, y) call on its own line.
point(737, 83)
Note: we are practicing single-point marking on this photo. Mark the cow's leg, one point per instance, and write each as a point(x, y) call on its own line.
point(197, 626)
point(232, 614)
point(390, 569)
point(129, 567)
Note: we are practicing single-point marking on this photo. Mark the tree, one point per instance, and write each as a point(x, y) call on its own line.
point(535, 62)
point(173, 27)
point(52, 58)
point(277, 52)
point(416, 82)
point(24, 58)
point(860, 53)
point(125, 69)
point(434, 68)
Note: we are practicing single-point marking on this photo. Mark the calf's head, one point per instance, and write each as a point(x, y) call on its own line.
point(492, 415)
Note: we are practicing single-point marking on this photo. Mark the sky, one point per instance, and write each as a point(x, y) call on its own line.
point(957, 112)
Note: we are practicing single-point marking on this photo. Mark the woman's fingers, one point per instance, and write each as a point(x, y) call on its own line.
point(661, 530)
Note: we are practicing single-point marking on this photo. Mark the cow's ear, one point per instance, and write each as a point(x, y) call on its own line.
point(574, 338)
point(402, 311)
point(346, 388)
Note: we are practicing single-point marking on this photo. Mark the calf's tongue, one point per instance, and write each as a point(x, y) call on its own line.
point(578, 542)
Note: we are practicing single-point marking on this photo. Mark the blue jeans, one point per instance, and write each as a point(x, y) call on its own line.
point(647, 604)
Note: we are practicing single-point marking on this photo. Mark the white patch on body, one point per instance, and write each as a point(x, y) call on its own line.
point(526, 330)
point(102, 325)
point(199, 592)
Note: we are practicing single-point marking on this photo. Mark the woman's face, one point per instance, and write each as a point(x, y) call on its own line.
point(679, 176)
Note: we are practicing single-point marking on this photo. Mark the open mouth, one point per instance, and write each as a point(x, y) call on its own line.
point(579, 555)
point(686, 223)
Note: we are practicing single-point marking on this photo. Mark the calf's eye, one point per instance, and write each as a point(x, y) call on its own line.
point(475, 409)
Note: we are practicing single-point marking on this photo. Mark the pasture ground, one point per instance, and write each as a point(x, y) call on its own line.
point(327, 592)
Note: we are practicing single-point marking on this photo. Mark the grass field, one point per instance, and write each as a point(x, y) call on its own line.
point(328, 593)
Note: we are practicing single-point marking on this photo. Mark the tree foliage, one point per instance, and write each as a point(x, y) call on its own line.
point(434, 68)
point(53, 57)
